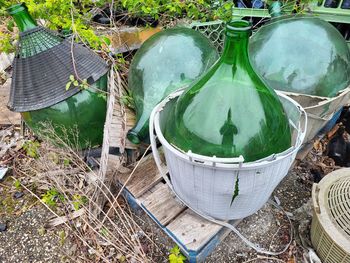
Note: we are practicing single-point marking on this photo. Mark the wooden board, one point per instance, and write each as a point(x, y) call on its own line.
point(163, 205)
point(192, 230)
point(144, 178)
point(145, 189)
point(120, 125)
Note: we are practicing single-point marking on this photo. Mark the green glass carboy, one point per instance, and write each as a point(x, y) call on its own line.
point(167, 61)
point(78, 119)
point(230, 111)
point(300, 53)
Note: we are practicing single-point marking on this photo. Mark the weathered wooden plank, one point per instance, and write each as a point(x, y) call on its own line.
point(143, 197)
point(163, 205)
point(143, 179)
point(192, 230)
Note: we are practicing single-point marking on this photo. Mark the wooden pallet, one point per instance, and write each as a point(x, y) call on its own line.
point(146, 190)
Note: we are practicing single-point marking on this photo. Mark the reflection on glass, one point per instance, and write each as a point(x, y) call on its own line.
point(169, 60)
point(230, 111)
point(301, 54)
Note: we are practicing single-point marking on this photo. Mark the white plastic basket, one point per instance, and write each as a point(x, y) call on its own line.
point(207, 184)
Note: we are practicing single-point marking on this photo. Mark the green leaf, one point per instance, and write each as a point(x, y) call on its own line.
point(172, 258)
point(104, 232)
point(10, 25)
point(17, 184)
point(236, 191)
point(68, 85)
point(62, 236)
point(66, 162)
point(175, 250)
point(106, 40)
point(227, 6)
point(71, 78)
point(75, 83)
point(176, 256)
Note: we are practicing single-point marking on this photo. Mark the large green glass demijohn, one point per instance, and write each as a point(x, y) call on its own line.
point(230, 111)
point(79, 118)
point(167, 61)
point(301, 54)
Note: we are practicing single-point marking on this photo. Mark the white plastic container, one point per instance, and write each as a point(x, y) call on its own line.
point(320, 110)
point(207, 184)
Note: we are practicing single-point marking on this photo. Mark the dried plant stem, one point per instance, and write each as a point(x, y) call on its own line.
point(53, 212)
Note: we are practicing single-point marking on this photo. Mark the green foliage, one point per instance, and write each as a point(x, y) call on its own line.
point(79, 201)
point(59, 15)
point(128, 101)
point(176, 255)
point(196, 10)
point(66, 162)
point(31, 148)
point(62, 237)
point(51, 197)
point(74, 16)
point(6, 43)
point(82, 85)
point(223, 10)
point(17, 184)
point(104, 232)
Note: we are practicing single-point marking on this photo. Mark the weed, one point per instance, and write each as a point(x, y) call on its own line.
point(176, 255)
point(17, 184)
point(81, 84)
point(62, 237)
point(79, 201)
point(31, 148)
point(51, 197)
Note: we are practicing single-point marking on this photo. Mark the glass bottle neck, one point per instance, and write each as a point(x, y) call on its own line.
point(23, 19)
point(236, 46)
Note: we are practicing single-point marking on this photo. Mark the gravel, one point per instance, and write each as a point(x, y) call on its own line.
point(23, 242)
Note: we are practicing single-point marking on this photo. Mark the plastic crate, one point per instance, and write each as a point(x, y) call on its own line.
point(330, 14)
point(335, 14)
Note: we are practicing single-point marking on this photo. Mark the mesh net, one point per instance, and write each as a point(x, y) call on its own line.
point(214, 31)
point(42, 67)
point(36, 40)
point(339, 204)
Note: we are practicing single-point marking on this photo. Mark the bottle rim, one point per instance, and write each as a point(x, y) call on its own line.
point(133, 137)
point(16, 8)
point(239, 25)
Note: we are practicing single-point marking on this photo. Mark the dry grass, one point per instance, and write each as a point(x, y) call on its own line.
point(113, 228)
